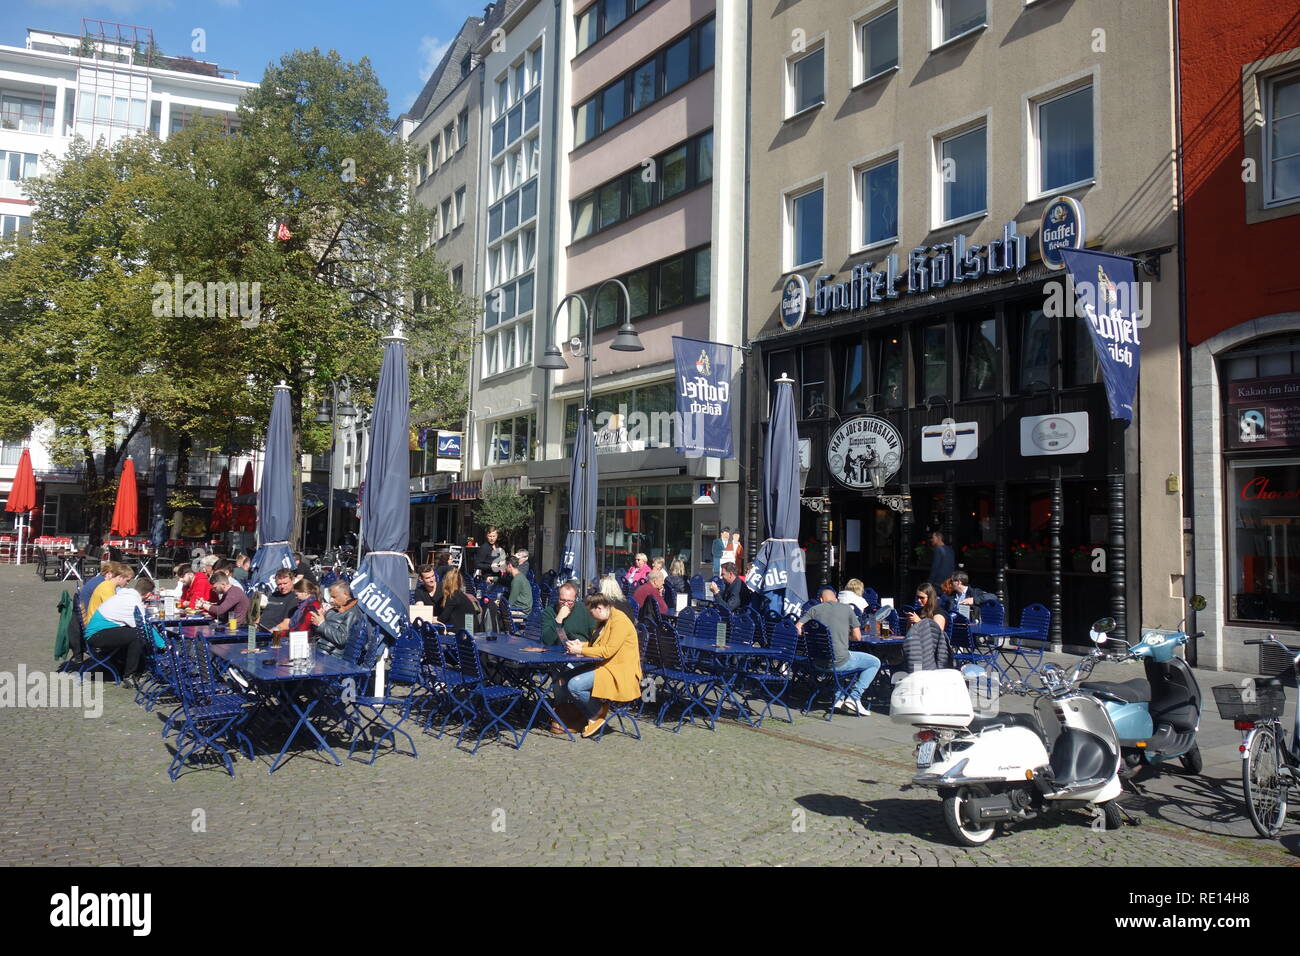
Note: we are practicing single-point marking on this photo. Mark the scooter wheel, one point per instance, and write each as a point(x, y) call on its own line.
point(1113, 815)
point(954, 813)
point(1191, 760)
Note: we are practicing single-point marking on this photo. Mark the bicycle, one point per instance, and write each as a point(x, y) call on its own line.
point(1270, 765)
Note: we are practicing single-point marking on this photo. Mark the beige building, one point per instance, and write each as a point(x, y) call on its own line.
point(902, 158)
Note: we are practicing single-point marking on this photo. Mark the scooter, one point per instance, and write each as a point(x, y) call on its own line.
point(1157, 719)
point(1012, 767)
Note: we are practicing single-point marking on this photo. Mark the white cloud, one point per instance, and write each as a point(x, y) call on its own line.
point(432, 50)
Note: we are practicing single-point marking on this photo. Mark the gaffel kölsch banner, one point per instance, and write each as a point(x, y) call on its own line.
point(703, 387)
point(1107, 291)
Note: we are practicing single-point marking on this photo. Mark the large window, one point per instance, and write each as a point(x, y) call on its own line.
point(806, 81)
point(658, 520)
point(16, 166)
point(857, 395)
point(517, 105)
point(510, 440)
point(878, 197)
point(1034, 351)
point(878, 39)
point(668, 284)
point(646, 411)
point(603, 16)
point(887, 349)
point(958, 17)
point(932, 361)
point(813, 378)
point(675, 64)
point(980, 363)
point(963, 174)
point(15, 226)
point(1064, 149)
point(1282, 139)
point(646, 185)
point(1264, 540)
point(805, 228)
point(32, 114)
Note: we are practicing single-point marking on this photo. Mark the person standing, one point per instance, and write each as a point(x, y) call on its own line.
point(490, 558)
point(943, 561)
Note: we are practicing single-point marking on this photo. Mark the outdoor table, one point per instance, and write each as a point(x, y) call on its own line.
point(291, 682)
point(999, 634)
point(534, 657)
point(70, 565)
point(197, 629)
point(730, 673)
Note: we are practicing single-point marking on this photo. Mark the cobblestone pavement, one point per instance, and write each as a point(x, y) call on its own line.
point(95, 791)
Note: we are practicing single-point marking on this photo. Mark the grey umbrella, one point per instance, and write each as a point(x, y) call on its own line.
point(580, 543)
point(158, 512)
point(275, 497)
point(778, 566)
point(382, 583)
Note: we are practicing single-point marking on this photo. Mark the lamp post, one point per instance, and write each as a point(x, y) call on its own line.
point(330, 412)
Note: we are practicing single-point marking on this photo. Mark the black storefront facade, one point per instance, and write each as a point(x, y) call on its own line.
point(1026, 521)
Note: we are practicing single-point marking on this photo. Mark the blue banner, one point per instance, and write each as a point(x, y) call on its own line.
point(378, 602)
point(703, 398)
point(1108, 297)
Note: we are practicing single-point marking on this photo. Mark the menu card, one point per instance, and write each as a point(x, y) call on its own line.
point(298, 646)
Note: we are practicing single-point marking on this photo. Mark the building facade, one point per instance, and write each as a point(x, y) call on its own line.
point(1240, 131)
point(903, 158)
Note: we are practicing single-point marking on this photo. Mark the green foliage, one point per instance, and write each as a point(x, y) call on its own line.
point(504, 508)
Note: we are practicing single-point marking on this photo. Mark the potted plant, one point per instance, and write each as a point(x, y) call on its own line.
point(1028, 556)
point(978, 555)
point(922, 554)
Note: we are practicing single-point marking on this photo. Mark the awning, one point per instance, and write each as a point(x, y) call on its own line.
point(428, 499)
point(466, 490)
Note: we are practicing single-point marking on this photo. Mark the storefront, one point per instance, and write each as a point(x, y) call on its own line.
point(976, 410)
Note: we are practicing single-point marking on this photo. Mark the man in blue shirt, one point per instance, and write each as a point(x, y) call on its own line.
point(943, 562)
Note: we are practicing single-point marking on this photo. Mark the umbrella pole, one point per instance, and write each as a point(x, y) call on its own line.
point(18, 557)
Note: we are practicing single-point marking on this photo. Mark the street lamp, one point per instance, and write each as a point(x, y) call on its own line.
point(326, 414)
point(626, 340)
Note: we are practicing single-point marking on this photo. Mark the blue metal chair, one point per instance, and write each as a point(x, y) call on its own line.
point(871, 597)
point(965, 649)
point(993, 613)
point(770, 675)
point(210, 713)
point(681, 684)
point(93, 658)
point(1038, 618)
point(368, 712)
point(699, 592)
point(820, 648)
point(746, 627)
point(491, 701)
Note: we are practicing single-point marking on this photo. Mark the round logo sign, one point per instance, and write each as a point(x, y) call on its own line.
point(794, 302)
point(1062, 228)
point(948, 440)
point(865, 450)
point(1052, 433)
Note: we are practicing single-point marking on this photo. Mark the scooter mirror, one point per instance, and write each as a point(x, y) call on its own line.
point(1198, 602)
point(1103, 624)
point(1097, 637)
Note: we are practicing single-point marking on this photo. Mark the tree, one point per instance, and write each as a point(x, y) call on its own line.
point(504, 508)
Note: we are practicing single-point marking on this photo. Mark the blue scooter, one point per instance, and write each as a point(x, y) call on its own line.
point(1156, 718)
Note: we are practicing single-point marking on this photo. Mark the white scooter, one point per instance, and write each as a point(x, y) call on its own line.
point(1011, 767)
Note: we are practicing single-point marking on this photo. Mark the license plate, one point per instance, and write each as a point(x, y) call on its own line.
point(925, 755)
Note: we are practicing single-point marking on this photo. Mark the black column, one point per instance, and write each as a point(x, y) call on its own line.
point(1115, 556)
point(906, 522)
point(950, 510)
point(1054, 557)
point(824, 533)
point(1000, 522)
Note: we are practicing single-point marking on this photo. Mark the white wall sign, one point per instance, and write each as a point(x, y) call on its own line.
point(861, 445)
point(1065, 434)
point(950, 441)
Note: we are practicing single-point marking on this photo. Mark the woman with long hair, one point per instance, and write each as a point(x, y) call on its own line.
point(610, 588)
point(925, 648)
point(453, 603)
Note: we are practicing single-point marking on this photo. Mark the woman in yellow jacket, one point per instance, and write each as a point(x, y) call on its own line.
point(618, 676)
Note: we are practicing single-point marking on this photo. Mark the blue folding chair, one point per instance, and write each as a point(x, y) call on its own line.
point(92, 658)
point(489, 704)
point(993, 613)
point(1029, 649)
point(770, 675)
point(368, 711)
point(210, 712)
point(682, 684)
point(820, 648)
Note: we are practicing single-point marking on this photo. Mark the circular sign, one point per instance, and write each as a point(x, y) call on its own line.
point(863, 448)
point(1052, 433)
point(794, 302)
point(1062, 228)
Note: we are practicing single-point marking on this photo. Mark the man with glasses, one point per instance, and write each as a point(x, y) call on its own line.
point(568, 620)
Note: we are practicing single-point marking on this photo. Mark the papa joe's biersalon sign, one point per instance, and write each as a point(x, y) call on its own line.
point(861, 445)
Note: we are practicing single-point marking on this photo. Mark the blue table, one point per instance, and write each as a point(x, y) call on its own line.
point(296, 679)
point(195, 629)
point(730, 652)
point(535, 658)
point(999, 634)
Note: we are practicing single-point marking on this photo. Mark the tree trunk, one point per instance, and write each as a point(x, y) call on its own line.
point(183, 446)
point(94, 513)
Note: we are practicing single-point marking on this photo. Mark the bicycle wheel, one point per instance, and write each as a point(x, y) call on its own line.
point(1265, 787)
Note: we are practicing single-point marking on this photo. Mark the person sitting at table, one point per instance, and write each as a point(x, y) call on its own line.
point(232, 601)
point(113, 627)
point(307, 595)
point(609, 586)
point(428, 591)
point(208, 564)
point(333, 626)
point(195, 586)
point(639, 571)
point(521, 591)
point(88, 587)
point(453, 604)
point(568, 619)
point(925, 647)
point(677, 577)
point(116, 575)
point(964, 599)
point(735, 593)
point(243, 567)
point(652, 590)
point(618, 677)
point(280, 603)
point(841, 621)
point(852, 595)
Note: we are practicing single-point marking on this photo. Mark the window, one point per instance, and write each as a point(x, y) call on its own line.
point(980, 368)
point(449, 140)
point(448, 224)
point(534, 67)
point(879, 39)
point(805, 218)
point(498, 136)
point(963, 173)
point(1282, 139)
point(1264, 540)
point(460, 206)
point(888, 351)
point(672, 284)
point(615, 13)
point(11, 226)
point(521, 77)
point(503, 95)
point(589, 26)
point(1064, 125)
point(960, 16)
point(638, 287)
point(514, 124)
point(682, 168)
point(602, 17)
point(703, 259)
point(462, 129)
point(1081, 366)
point(813, 377)
point(30, 114)
point(15, 166)
point(528, 201)
point(677, 63)
point(532, 109)
point(458, 278)
point(878, 188)
point(680, 280)
point(856, 397)
point(807, 81)
point(1034, 352)
point(932, 361)
point(494, 222)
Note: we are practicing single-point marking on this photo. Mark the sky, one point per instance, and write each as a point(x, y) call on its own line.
point(404, 39)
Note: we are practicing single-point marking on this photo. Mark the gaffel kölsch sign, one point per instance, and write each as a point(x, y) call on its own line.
point(928, 267)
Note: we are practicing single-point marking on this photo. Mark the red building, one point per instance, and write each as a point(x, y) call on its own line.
point(1239, 125)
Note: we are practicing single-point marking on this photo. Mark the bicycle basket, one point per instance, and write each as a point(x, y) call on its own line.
point(1275, 660)
point(1269, 702)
